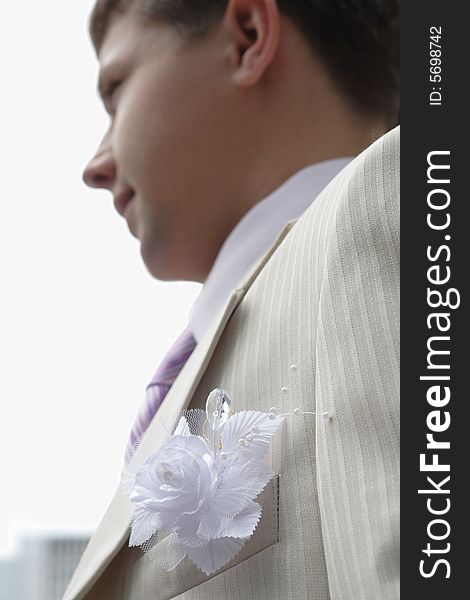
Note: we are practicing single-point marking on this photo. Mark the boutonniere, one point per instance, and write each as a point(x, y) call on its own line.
point(199, 489)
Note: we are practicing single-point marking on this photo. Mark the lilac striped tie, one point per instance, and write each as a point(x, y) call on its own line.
point(157, 389)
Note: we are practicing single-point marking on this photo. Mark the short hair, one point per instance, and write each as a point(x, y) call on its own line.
point(356, 40)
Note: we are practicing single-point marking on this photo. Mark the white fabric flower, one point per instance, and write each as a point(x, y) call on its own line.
point(201, 488)
point(174, 482)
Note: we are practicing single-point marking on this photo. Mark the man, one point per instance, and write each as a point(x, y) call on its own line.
point(227, 120)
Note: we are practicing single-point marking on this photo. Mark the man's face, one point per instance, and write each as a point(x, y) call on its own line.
point(168, 154)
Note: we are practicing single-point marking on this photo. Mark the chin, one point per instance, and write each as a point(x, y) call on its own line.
point(156, 264)
point(164, 264)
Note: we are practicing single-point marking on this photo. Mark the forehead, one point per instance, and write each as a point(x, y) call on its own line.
point(131, 41)
point(119, 45)
point(126, 39)
point(122, 35)
point(100, 16)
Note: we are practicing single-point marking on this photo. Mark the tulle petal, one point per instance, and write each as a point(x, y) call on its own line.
point(244, 524)
point(172, 552)
point(142, 527)
point(215, 554)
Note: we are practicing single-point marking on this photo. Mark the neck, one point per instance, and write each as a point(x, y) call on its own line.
point(278, 157)
point(298, 118)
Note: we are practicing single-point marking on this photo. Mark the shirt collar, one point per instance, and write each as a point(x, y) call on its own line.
point(255, 233)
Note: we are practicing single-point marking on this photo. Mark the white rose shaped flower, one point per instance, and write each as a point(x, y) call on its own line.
point(173, 486)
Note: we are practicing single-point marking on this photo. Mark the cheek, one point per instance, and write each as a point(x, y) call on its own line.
point(150, 149)
point(165, 126)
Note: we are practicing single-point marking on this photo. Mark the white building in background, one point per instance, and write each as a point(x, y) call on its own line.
point(9, 576)
point(40, 563)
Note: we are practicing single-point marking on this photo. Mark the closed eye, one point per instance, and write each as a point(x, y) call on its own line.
point(108, 94)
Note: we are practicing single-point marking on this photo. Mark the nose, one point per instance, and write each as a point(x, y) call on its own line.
point(100, 172)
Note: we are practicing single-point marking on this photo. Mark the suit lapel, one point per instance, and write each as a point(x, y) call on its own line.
point(113, 531)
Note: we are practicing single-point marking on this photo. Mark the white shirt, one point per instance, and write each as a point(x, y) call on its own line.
point(254, 235)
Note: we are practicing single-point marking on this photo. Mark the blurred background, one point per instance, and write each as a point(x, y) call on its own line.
point(82, 324)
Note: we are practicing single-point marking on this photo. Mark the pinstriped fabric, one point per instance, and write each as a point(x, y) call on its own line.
point(157, 389)
point(327, 303)
point(360, 296)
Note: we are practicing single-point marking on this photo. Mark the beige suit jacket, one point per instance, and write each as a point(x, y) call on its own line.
point(324, 299)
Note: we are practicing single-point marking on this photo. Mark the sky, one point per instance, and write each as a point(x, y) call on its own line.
point(83, 326)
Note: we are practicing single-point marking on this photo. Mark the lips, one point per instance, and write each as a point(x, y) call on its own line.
point(122, 199)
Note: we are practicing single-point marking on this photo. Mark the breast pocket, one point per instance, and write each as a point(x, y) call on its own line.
point(144, 576)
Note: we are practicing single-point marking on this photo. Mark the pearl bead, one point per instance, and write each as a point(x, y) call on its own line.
point(284, 388)
point(255, 429)
point(293, 367)
point(249, 437)
point(272, 416)
point(296, 412)
point(273, 409)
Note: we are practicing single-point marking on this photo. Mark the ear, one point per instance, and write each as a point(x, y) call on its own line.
point(254, 29)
